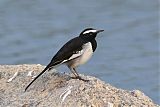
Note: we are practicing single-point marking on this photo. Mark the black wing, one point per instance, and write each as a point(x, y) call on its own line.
point(70, 48)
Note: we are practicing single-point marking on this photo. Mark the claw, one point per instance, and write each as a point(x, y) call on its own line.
point(78, 77)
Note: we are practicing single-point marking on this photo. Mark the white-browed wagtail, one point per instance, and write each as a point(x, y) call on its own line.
point(75, 52)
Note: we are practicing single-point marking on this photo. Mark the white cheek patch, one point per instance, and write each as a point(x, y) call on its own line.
point(88, 31)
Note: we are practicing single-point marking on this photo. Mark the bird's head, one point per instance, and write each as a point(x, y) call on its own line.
point(89, 33)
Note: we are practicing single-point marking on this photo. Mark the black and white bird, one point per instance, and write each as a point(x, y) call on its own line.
point(75, 52)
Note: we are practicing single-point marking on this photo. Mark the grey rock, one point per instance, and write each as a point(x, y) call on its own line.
point(55, 89)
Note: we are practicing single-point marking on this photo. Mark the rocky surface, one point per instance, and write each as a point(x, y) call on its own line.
point(55, 89)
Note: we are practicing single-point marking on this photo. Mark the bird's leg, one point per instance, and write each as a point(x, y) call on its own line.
point(78, 77)
point(76, 72)
point(73, 71)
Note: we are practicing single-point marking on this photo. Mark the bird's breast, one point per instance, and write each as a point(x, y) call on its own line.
point(87, 53)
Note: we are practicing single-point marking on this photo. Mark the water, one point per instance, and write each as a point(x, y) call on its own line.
point(32, 31)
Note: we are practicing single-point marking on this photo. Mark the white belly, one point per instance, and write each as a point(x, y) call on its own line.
point(87, 53)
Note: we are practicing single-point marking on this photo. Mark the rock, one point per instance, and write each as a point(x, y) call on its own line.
point(110, 104)
point(55, 89)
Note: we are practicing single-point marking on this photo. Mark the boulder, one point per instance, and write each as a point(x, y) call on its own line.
point(55, 89)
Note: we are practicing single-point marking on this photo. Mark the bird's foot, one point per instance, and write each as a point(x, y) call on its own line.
point(78, 77)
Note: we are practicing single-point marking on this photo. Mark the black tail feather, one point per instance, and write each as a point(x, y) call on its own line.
point(48, 66)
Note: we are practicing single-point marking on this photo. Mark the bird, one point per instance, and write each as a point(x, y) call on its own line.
point(74, 53)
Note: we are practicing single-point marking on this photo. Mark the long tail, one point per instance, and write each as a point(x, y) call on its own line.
point(47, 67)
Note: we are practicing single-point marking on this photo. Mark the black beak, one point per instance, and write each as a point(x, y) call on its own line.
point(99, 31)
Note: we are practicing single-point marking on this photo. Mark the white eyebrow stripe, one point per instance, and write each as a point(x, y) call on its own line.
point(89, 31)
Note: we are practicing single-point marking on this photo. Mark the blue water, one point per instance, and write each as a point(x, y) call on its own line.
point(32, 31)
